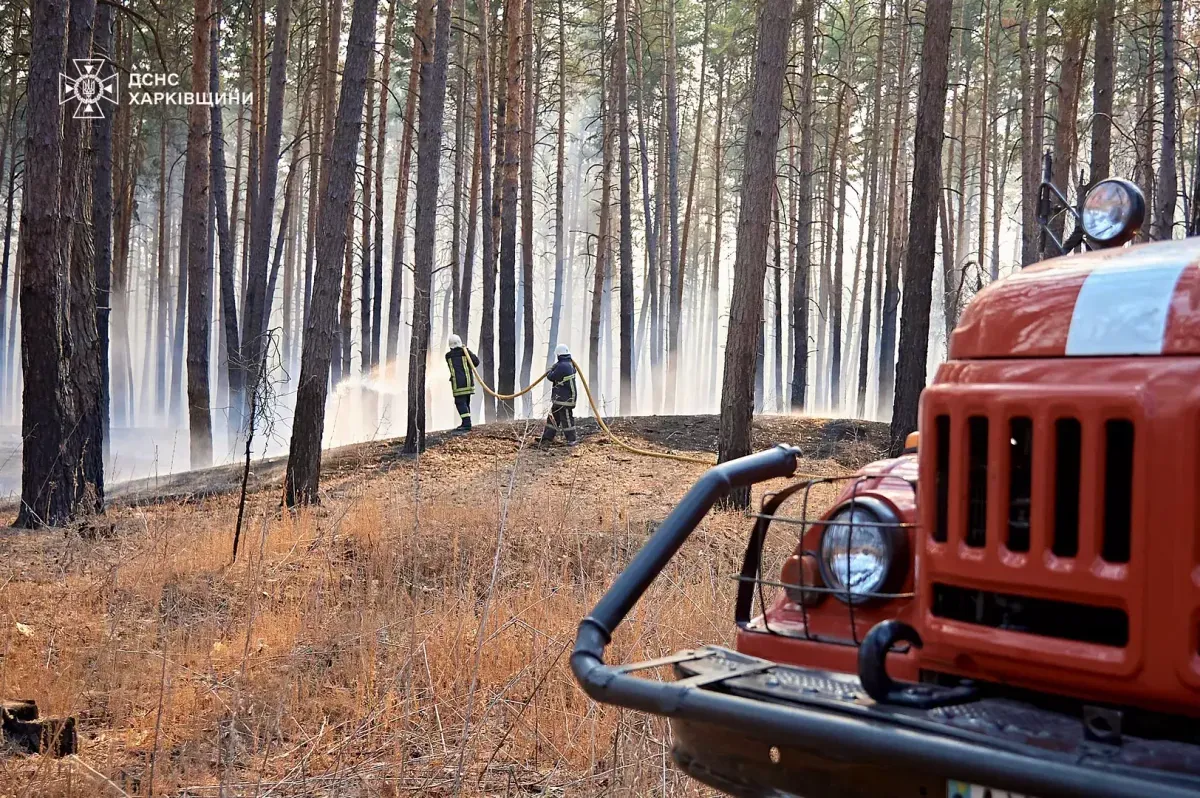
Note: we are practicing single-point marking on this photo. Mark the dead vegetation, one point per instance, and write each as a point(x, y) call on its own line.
point(343, 653)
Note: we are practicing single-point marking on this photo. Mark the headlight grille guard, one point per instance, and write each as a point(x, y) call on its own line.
point(752, 581)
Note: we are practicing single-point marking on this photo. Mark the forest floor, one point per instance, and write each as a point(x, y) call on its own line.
point(409, 636)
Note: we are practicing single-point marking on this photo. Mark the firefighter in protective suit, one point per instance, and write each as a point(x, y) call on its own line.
point(562, 398)
point(462, 380)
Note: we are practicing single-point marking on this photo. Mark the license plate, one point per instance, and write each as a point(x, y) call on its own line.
point(961, 789)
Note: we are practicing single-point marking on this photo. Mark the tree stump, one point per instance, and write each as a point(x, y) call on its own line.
point(23, 732)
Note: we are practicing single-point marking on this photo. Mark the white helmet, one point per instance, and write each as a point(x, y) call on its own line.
point(455, 342)
point(562, 350)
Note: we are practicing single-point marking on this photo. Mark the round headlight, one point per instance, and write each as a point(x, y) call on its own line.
point(859, 551)
point(1113, 211)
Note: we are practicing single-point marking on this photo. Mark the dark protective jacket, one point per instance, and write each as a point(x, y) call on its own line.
point(462, 381)
point(562, 375)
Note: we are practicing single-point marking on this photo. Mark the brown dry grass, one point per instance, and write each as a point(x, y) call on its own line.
point(337, 655)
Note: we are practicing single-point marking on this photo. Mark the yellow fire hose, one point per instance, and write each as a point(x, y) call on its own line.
point(595, 410)
point(682, 458)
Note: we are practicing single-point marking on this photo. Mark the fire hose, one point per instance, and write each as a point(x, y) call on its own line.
point(683, 458)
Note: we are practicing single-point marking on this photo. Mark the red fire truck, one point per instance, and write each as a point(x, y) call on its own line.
point(1012, 607)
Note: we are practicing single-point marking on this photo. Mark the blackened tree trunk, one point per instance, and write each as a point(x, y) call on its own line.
point(754, 225)
point(804, 181)
point(922, 225)
point(47, 410)
point(510, 178)
point(199, 265)
point(1164, 211)
point(429, 158)
point(304, 456)
point(622, 73)
point(254, 316)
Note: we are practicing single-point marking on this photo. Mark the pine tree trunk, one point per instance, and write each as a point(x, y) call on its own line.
point(365, 279)
point(463, 322)
point(1164, 211)
point(429, 155)
point(714, 283)
point(199, 296)
point(758, 191)
point(890, 296)
point(164, 343)
point(777, 348)
point(102, 221)
point(510, 180)
point(835, 362)
point(600, 274)
point(381, 151)
point(559, 177)
point(864, 350)
point(1102, 92)
point(528, 120)
point(804, 181)
point(626, 247)
point(8, 137)
point(675, 307)
point(691, 192)
point(1033, 125)
point(922, 236)
point(422, 51)
point(304, 456)
point(460, 137)
point(487, 325)
point(228, 293)
point(985, 121)
point(254, 316)
point(1069, 78)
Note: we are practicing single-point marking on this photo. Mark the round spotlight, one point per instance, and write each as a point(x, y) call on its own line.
point(1113, 212)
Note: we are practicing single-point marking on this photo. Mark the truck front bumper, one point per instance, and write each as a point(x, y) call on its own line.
point(751, 727)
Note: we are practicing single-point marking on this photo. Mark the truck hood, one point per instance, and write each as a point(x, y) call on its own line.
point(1141, 300)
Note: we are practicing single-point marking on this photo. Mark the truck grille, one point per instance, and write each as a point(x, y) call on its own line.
point(1113, 503)
point(1031, 527)
point(1059, 509)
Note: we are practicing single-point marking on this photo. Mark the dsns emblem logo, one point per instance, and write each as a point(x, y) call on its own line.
point(87, 88)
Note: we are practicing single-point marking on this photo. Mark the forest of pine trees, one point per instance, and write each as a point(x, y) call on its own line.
point(778, 206)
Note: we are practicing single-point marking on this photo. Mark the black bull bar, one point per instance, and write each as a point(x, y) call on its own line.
point(876, 737)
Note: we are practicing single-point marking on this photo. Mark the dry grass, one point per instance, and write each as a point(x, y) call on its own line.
point(337, 655)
